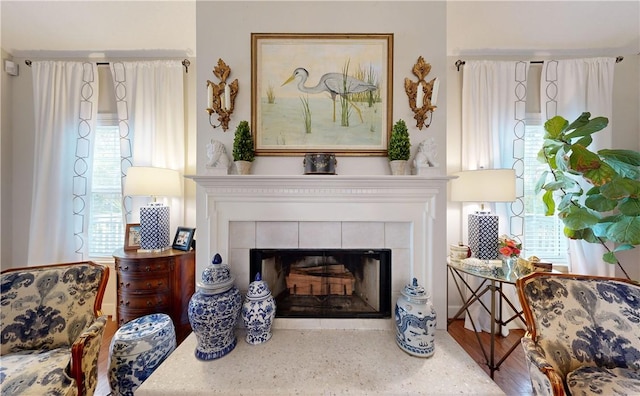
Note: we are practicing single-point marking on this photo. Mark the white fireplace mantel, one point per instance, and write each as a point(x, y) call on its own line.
point(320, 184)
point(416, 200)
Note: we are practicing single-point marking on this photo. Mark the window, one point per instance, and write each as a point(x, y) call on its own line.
point(106, 228)
point(543, 235)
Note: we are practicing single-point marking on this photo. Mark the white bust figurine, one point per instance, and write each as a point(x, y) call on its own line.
point(217, 155)
point(426, 154)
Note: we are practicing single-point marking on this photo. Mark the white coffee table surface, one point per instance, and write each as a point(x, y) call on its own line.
point(321, 362)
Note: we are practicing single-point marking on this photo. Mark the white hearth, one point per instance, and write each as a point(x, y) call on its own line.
point(404, 213)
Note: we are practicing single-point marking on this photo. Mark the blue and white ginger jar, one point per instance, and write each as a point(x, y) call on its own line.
point(258, 311)
point(213, 311)
point(415, 321)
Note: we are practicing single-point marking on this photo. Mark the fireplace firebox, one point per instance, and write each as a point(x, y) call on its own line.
point(326, 283)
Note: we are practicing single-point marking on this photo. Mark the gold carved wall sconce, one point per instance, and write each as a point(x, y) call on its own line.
point(221, 96)
point(422, 94)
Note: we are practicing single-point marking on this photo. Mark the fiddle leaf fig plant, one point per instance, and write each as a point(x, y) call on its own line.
point(595, 194)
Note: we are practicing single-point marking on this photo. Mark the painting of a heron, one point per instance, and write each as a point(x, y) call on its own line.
point(299, 78)
point(335, 84)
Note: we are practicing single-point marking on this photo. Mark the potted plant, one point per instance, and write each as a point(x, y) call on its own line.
point(399, 149)
point(243, 152)
point(596, 194)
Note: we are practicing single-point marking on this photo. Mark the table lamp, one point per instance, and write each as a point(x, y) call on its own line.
point(154, 218)
point(484, 185)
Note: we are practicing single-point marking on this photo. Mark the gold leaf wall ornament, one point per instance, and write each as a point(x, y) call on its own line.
point(222, 71)
point(221, 96)
point(421, 68)
point(422, 94)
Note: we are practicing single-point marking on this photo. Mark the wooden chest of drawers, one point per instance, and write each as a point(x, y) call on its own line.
point(155, 282)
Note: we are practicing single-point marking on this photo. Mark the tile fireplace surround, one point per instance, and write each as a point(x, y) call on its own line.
point(404, 213)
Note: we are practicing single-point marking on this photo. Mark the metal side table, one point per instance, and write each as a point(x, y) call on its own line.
point(491, 282)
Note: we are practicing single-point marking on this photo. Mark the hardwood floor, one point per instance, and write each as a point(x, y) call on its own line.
point(512, 377)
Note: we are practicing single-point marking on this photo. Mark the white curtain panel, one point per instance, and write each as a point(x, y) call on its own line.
point(493, 113)
point(150, 105)
point(65, 102)
point(569, 88)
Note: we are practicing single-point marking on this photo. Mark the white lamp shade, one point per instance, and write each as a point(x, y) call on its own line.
point(151, 181)
point(484, 185)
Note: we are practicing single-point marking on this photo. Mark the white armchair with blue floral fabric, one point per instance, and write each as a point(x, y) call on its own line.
point(583, 334)
point(51, 328)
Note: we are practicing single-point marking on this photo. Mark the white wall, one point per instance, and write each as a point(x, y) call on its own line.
point(5, 159)
point(102, 26)
point(229, 38)
point(20, 156)
point(542, 28)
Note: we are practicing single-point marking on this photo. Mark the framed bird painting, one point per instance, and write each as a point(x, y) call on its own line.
point(317, 92)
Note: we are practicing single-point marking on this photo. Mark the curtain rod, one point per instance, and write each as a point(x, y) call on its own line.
point(185, 62)
point(460, 62)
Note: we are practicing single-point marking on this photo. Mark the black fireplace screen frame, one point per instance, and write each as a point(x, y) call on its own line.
point(259, 258)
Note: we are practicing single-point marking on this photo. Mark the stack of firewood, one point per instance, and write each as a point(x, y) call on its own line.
point(321, 280)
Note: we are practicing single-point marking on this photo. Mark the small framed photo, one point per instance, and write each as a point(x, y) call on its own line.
point(183, 238)
point(132, 237)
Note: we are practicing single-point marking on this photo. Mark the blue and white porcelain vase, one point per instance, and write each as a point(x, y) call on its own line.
point(415, 321)
point(258, 311)
point(213, 311)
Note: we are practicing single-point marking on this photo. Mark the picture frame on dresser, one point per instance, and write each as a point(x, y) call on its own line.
point(346, 104)
point(183, 238)
point(132, 237)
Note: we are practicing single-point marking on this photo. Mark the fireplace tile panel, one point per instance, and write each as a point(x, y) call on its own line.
point(397, 235)
point(400, 270)
point(277, 234)
point(242, 234)
point(239, 260)
point(362, 234)
point(320, 235)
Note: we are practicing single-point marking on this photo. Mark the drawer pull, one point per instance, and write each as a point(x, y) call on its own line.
point(149, 284)
point(124, 303)
point(122, 284)
point(147, 268)
point(125, 268)
point(149, 303)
